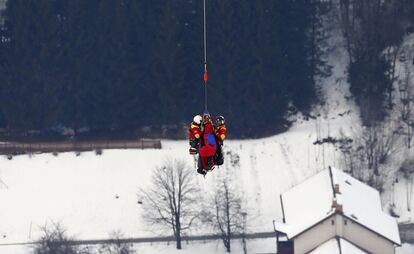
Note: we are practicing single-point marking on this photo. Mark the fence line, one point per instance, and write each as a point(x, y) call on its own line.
point(258, 235)
point(68, 146)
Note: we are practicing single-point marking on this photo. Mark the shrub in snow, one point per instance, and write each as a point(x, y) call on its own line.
point(116, 245)
point(392, 211)
point(234, 158)
point(407, 168)
point(55, 240)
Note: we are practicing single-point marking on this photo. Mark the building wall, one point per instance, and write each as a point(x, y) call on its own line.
point(366, 239)
point(337, 225)
point(315, 236)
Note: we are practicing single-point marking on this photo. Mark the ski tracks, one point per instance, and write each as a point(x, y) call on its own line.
point(290, 170)
point(255, 177)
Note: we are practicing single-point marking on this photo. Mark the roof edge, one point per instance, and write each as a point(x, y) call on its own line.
point(373, 231)
point(283, 208)
point(332, 182)
point(348, 217)
point(330, 214)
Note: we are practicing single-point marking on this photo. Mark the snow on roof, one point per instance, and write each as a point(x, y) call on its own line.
point(311, 202)
point(362, 203)
point(334, 247)
point(307, 203)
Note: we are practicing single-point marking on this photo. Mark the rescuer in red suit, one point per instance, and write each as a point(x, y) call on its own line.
point(194, 134)
point(221, 133)
point(208, 146)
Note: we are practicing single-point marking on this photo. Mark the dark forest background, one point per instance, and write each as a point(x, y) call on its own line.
point(134, 67)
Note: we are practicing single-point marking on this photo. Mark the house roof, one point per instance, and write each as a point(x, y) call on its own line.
point(311, 202)
point(337, 246)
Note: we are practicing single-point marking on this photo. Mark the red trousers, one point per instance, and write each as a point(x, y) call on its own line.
point(207, 151)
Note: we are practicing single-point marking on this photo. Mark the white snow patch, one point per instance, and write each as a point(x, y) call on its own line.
point(405, 249)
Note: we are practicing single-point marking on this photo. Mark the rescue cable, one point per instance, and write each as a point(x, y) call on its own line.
point(205, 59)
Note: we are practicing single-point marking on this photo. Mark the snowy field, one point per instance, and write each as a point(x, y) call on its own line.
point(253, 246)
point(261, 246)
point(94, 195)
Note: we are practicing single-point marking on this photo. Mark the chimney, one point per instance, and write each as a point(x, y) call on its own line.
point(338, 207)
point(336, 189)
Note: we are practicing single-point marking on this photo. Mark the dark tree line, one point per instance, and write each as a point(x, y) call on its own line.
point(123, 65)
point(374, 30)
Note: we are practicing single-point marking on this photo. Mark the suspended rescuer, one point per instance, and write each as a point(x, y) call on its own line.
point(194, 134)
point(208, 146)
point(221, 133)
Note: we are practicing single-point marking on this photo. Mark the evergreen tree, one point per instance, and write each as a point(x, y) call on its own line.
point(122, 65)
point(167, 67)
point(317, 42)
point(266, 74)
point(364, 24)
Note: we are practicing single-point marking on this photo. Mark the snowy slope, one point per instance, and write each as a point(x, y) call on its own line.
point(253, 246)
point(81, 191)
point(399, 194)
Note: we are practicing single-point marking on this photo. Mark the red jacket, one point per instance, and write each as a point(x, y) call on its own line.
point(221, 132)
point(194, 132)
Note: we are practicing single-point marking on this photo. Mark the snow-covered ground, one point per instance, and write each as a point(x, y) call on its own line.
point(94, 195)
point(253, 246)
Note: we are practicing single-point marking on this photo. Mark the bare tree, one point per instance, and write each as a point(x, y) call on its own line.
point(55, 241)
point(349, 156)
point(407, 168)
point(171, 202)
point(406, 103)
point(116, 245)
point(226, 214)
point(368, 153)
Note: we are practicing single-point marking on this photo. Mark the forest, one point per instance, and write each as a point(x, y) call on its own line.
point(134, 67)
